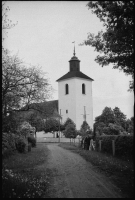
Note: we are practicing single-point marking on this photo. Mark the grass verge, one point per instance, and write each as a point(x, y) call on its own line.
point(24, 175)
point(120, 172)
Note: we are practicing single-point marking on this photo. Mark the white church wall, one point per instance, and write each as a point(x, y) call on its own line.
point(84, 100)
point(75, 101)
point(67, 101)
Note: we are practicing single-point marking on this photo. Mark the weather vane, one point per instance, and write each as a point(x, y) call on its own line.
point(74, 48)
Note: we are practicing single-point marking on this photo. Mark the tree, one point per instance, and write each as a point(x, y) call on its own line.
point(70, 131)
point(106, 117)
point(113, 129)
point(11, 122)
point(67, 122)
point(99, 126)
point(51, 124)
point(21, 86)
point(36, 121)
point(69, 128)
point(120, 118)
point(130, 125)
point(115, 44)
point(85, 128)
point(110, 122)
point(6, 23)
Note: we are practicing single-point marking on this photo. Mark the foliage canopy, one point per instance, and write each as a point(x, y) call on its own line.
point(115, 44)
point(113, 122)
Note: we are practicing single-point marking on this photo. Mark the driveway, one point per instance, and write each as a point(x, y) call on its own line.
point(74, 177)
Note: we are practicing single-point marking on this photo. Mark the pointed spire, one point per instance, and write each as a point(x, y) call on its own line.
point(74, 48)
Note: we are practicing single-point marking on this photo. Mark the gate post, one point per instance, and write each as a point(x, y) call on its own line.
point(100, 145)
point(113, 147)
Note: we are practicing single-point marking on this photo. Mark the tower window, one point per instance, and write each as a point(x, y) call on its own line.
point(67, 89)
point(66, 111)
point(83, 88)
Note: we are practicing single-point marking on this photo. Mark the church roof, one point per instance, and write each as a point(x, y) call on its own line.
point(48, 108)
point(73, 74)
point(74, 58)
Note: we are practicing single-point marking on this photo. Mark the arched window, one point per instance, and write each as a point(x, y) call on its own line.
point(83, 88)
point(66, 87)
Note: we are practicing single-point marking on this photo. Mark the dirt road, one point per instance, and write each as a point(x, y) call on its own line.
point(73, 177)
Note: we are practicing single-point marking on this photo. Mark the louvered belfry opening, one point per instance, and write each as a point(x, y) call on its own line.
point(67, 89)
point(83, 88)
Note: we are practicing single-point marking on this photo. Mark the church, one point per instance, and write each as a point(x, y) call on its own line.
point(75, 95)
point(74, 98)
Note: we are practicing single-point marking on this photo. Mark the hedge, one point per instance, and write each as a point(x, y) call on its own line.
point(123, 145)
point(106, 144)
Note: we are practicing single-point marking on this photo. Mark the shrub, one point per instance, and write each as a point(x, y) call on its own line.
point(32, 141)
point(8, 144)
point(21, 145)
point(25, 129)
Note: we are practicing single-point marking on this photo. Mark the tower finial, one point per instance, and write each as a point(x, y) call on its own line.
point(74, 48)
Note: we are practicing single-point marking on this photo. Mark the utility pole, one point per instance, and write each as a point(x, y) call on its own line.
point(59, 124)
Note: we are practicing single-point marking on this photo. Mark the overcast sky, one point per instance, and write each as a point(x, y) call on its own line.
point(44, 36)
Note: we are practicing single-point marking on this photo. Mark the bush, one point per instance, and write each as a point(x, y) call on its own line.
point(21, 145)
point(32, 141)
point(8, 144)
point(25, 129)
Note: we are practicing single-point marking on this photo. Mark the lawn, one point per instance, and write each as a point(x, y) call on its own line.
point(24, 174)
point(119, 171)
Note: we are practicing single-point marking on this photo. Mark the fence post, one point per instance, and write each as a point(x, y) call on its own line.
point(113, 147)
point(70, 141)
point(74, 141)
point(99, 145)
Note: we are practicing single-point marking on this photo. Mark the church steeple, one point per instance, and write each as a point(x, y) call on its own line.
point(74, 49)
point(74, 63)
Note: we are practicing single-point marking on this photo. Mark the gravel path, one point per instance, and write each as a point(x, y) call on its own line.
point(73, 177)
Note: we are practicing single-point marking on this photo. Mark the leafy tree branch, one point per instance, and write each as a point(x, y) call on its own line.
point(115, 44)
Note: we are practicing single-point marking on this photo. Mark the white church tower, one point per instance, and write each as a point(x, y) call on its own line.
point(75, 95)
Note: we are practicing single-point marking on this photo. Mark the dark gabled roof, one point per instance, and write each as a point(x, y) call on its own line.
point(73, 74)
point(50, 108)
